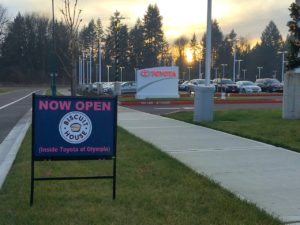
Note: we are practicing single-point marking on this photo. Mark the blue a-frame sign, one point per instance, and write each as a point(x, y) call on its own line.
point(73, 128)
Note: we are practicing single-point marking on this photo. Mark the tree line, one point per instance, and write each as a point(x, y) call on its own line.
point(26, 45)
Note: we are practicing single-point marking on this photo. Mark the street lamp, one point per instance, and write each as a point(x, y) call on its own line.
point(108, 66)
point(208, 44)
point(135, 73)
point(275, 74)
point(100, 57)
point(83, 68)
point(223, 67)
point(259, 69)
point(90, 64)
point(216, 72)
point(200, 73)
point(234, 56)
point(79, 71)
point(189, 72)
point(54, 72)
point(282, 71)
point(121, 68)
point(244, 71)
point(239, 68)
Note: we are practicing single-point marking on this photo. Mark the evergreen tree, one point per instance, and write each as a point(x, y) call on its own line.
point(25, 49)
point(196, 54)
point(180, 45)
point(216, 43)
point(266, 53)
point(153, 36)
point(294, 37)
point(110, 42)
point(136, 45)
point(165, 58)
point(89, 36)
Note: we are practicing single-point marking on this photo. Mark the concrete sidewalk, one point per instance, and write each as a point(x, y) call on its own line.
point(263, 174)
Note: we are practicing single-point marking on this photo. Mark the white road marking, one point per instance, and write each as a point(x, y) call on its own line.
point(170, 108)
point(188, 108)
point(167, 108)
point(20, 99)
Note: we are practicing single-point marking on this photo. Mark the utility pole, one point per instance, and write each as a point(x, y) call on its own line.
point(223, 67)
point(189, 72)
point(54, 69)
point(208, 44)
point(121, 68)
point(239, 68)
point(259, 69)
point(283, 62)
point(108, 66)
point(200, 73)
point(244, 71)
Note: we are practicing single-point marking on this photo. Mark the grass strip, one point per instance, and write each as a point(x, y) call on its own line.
point(264, 125)
point(152, 189)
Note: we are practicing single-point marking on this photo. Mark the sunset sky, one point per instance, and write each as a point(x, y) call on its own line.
point(247, 17)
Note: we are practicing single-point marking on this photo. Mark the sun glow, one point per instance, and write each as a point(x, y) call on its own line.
point(189, 55)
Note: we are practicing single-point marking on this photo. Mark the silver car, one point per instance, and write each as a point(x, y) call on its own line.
point(195, 82)
point(128, 87)
point(248, 87)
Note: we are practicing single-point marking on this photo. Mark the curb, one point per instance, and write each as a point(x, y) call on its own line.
point(12, 144)
point(257, 101)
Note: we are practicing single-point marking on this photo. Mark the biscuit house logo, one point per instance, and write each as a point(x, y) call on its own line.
point(75, 127)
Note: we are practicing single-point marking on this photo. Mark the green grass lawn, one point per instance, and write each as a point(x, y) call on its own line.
point(5, 89)
point(264, 125)
point(152, 189)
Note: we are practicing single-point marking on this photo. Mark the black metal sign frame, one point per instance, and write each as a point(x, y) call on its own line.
point(112, 157)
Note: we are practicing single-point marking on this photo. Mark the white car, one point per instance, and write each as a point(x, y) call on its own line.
point(128, 87)
point(248, 87)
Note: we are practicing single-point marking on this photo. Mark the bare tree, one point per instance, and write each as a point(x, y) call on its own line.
point(3, 21)
point(71, 16)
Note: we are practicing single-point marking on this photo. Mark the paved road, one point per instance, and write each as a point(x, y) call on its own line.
point(13, 106)
point(165, 109)
point(15, 118)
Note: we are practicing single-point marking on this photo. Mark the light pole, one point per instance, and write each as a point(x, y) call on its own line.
point(83, 68)
point(54, 72)
point(234, 56)
point(203, 101)
point(200, 73)
point(259, 69)
point(239, 68)
point(189, 72)
point(121, 68)
point(244, 71)
point(135, 73)
point(108, 66)
point(79, 71)
point(216, 72)
point(223, 67)
point(275, 74)
point(90, 70)
point(282, 69)
point(100, 57)
point(208, 44)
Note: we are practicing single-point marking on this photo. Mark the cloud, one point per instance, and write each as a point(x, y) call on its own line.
point(247, 17)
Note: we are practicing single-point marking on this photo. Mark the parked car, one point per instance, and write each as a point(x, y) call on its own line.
point(183, 86)
point(269, 85)
point(195, 82)
point(108, 87)
point(128, 87)
point(225, 85)
point(95, 86)
point(248, 87)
